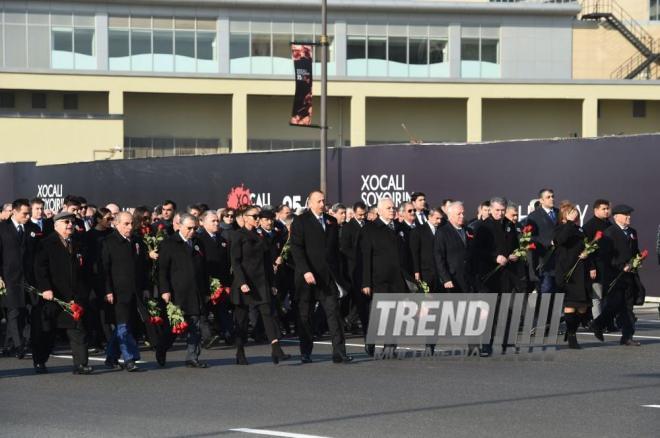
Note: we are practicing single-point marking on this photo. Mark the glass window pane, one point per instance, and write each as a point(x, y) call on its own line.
point(437, 51)
point(15, 53)
point(83, 20)
point(356, 48)
point(163, 50)
point(38, 17)
point(239, 45)
point(118, 49)
point(331, 51)
point(83, 47)
point(141, 50)
point(470, 50)
point(163, 22)
point(377, 48)
point(260, 45)
point(62, 53)
point(418, 49)
point(118, 21)
point(205, 45)
point(397, 49)
point(38, 47)
point(282, 46)
point(184, 23)
point(184, 49)
point(206, 24)
point(17, 17)
point(489, 51)
point(140, 22)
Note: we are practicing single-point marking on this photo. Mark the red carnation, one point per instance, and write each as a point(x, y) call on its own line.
point(531, 246)
point(598, 235)
point(644, 254)
point(528, 229)
point(77, 311)
point(161, 227)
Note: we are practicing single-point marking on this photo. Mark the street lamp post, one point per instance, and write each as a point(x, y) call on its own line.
point(324, 93)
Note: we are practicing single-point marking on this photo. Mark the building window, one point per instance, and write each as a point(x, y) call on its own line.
point(654, 10)
point(639, 108)
point(7, 99)
point(39, 101)
point(72, 42)
point(265, 47)
point(396, 51)
point(70, 101)
point(162, 44)
point(480, 56)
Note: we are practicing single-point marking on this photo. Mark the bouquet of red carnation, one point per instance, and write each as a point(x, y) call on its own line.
point(75, 310)
point(155, 317)
point(423, 286)
point(524, 244)
point(589, 248)
point(153, 241)
point(218, 292)
point(177, 321)
point(635, 263)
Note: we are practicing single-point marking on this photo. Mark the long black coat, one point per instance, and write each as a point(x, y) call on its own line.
point(315, 250)
point(382, 261)
point(405, 231)
point(251, 264)
point(124, 267)
point(17, 260)
point(216, 251)
point(494, 238)
point(592, 226)
point(62, 272)
point(569, 243)
point(422, 247)
point(619, 249)
point(47, 226)
point(182, 272)
point(451, 259)
point(350, 250)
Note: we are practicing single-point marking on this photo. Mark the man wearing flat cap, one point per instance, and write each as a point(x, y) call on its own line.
point(59, 274)
point(619, 246)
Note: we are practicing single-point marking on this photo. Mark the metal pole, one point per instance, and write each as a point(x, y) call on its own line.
point(324, 92)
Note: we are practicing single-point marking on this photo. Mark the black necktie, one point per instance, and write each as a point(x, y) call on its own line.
point(391, 226)
point(20, 231)
point(553, 216)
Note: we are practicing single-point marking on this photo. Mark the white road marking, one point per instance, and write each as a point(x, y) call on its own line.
point(651, 406)
point(275, 433)
point(100, 359)
point(618, 336)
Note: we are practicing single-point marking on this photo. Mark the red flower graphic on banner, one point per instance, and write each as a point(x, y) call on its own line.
point(239, 196)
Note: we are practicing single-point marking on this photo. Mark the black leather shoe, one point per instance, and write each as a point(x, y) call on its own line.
point(113, 364)
point(630, 343)
point(6, 352)
point(196, 364)
point(305, 358)
point(20, 353)
point(598, 331)
point(160, 357)
point(278, 354)
point(342, 358)
point(132, 367)
point(240, 356)
point(83, 369)
point(40, 368)
point(370, 349)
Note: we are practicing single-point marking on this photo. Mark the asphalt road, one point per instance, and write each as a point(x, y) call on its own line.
point(602, 390)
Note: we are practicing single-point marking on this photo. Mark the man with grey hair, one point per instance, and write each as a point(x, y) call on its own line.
point(452, 244)
point(494, 243)
point(338, 211)
point(6, 211)
point(183, 281)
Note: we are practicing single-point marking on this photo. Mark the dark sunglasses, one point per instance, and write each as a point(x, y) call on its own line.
point(255, 216)
point(410, 211)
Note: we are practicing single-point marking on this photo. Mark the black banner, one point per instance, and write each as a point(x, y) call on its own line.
point(302, 101)
point(621, 169)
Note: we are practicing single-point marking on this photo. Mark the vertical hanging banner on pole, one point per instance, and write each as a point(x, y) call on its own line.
point(302, 101)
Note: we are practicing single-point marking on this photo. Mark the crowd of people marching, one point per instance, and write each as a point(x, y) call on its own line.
point(110, 279)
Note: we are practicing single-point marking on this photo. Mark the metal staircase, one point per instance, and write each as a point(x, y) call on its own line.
point(644, 64)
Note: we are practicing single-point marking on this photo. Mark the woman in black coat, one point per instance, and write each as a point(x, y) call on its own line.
point(253, 285)
point(569, 243)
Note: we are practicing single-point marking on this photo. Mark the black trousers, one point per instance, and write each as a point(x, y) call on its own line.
point(16, 326)
point(619, 302)
point(43, 340)
point(328, 297)
point(241, 319)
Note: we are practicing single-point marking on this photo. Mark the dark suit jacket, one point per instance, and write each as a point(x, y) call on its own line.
point(125, 267)
point(404, 231)
point(542, 233)
point(47, 226)
point(182, 272)
point(62, 272)
point(216, 251)
point(350, 250)
point(451, 259)
point(315, 250)
point(422, 247)
point(382, 263)
point(250, 261)
point(494, 238)
point(17, 260)
point(592, 226)
point(274, 242)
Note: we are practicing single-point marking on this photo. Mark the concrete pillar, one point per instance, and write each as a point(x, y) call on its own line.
point(116, 102)
point(474, 115)
point(590, 117)
point(358, 120)
point(239, 122)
